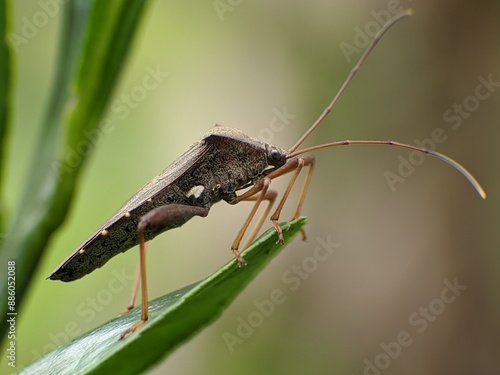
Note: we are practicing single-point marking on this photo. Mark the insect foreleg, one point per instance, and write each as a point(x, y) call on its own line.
point(293, 165)
point(260, 192)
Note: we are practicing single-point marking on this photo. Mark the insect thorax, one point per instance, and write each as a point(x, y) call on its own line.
point(234, 160)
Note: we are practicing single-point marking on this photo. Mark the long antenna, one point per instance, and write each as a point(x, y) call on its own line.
point(292, 152)
point(442, 157)
point(351, 75)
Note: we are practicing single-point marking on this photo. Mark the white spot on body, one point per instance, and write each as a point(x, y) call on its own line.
point(195, 191)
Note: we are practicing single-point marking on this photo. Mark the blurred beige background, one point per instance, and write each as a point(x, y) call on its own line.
point(399, 248)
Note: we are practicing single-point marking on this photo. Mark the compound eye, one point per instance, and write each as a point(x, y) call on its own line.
point(275, 155)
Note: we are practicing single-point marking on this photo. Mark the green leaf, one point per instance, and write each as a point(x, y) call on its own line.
point(172, 319)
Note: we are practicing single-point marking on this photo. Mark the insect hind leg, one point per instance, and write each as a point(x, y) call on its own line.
point(156, 220)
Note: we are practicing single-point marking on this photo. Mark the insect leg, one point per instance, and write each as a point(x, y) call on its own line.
point(262, 186)
point(271, 196)
point(308, 161)
point(135, 288)
point(258, 192)
point(293, 165)
point(144, 287)
point(156, 221)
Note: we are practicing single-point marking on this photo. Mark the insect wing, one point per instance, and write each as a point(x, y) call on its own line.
point(84, 260)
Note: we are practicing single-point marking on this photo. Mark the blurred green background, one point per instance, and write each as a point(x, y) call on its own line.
point(239, 68)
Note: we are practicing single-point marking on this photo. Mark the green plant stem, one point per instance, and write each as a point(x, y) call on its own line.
point(92, 52)
point(5, 97)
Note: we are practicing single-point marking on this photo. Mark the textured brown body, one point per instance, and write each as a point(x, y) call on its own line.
point(223, 161)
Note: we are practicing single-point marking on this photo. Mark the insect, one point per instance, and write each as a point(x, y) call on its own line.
point(223, 162)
